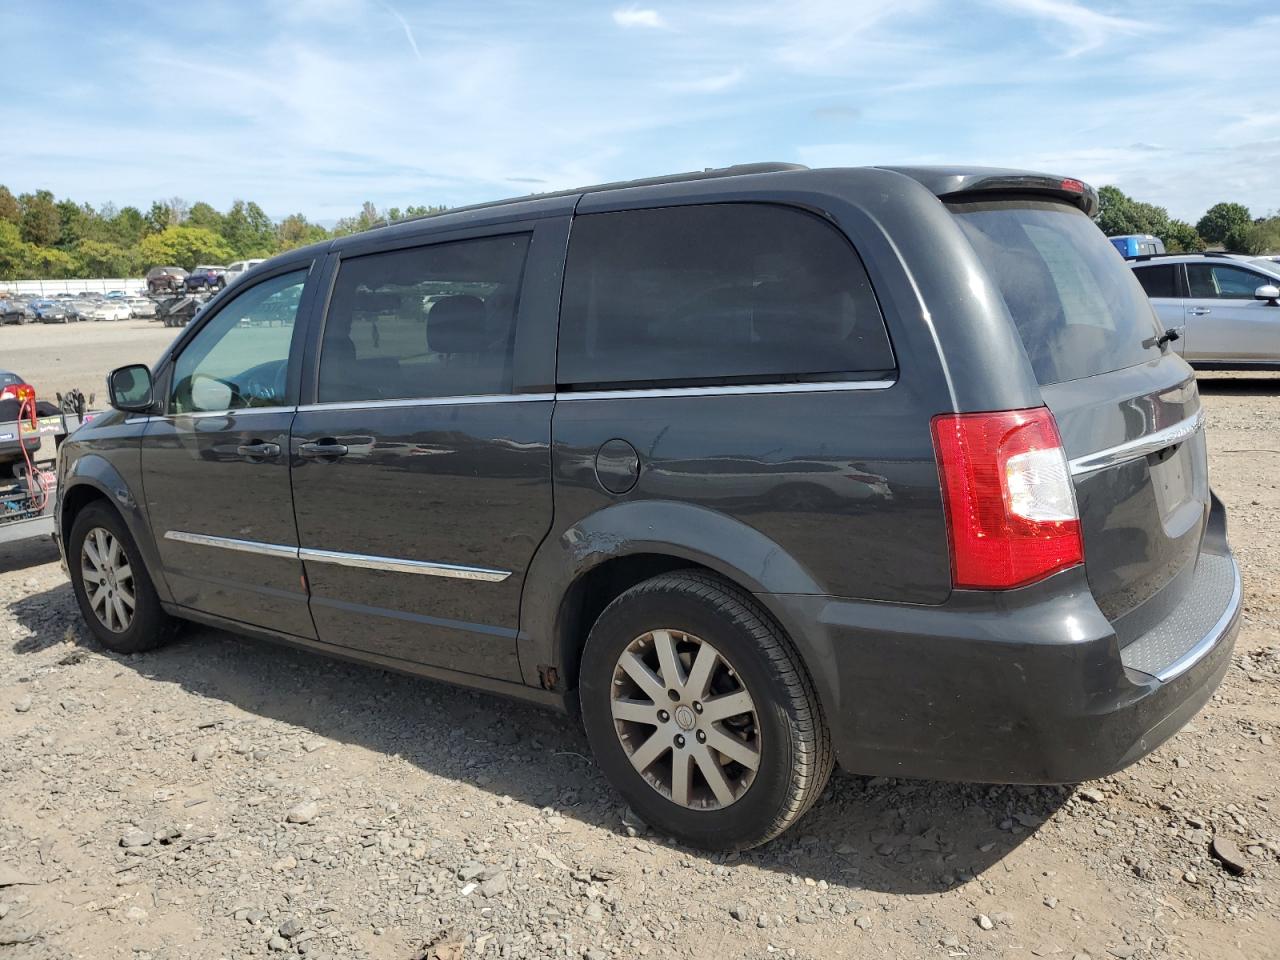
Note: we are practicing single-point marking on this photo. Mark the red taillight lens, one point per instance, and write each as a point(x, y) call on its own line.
point(1011, 509)
point(1072, 186)
point(19, 392)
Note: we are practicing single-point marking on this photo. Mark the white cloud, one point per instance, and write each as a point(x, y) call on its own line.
point(715, 83)
point(636, 17)
point(1087, 29)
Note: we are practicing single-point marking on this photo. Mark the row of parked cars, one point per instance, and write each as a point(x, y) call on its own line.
point(73, 307)
point(203, 277)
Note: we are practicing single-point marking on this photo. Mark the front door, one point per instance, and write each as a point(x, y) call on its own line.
point(1224, 320)
point(421, 477)
point(215, 466)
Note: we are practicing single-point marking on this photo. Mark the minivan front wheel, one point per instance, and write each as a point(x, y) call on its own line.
point(701, 714)
point(112, 586)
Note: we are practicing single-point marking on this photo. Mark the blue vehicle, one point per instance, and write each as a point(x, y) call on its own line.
point(1137, 244)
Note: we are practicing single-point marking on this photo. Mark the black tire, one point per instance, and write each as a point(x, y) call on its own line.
point(150, 626)
point(795, 754)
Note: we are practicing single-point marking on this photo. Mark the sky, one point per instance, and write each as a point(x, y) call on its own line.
point(315, 106)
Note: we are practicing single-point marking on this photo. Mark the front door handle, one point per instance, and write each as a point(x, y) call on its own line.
point(1198, 311)
point(258, 450)
point(325, 449)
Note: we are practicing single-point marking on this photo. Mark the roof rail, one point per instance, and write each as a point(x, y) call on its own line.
point(709, 173)
point(1225, 254)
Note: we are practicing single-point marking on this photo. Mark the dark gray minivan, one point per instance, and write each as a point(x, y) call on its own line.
point(759, 468)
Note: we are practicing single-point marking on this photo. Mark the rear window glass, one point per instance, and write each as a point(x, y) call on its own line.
point(1159, 281)
point(715, 293)
point(1078, 307)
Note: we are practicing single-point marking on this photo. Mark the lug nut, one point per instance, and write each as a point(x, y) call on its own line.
point(679, 740)
point(697, 706)
point(664, 716)
point(673, 695)
point(702, 737)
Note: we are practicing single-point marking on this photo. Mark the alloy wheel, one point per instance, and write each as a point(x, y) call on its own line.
point(685, 719)
point(108, 579)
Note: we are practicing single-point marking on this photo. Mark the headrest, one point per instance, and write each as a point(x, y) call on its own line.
point(456, 325)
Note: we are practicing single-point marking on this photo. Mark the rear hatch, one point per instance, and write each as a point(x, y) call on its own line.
point(1126, 406)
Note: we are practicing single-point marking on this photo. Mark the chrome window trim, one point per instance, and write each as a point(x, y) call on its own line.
point(1141, 447)
point(1210, 639)
point(366, 562)
point(238, 411)
point(230, 543)
point(730, 391)
point(424, 402)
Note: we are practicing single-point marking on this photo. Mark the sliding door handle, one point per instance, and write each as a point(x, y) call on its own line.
point(322, 450)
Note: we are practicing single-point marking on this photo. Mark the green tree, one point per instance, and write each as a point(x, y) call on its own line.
point(1262, 236)
point(368, 217)
point(13, 251)
point(75, 222)
point(128, 227)
point(158, 217)
point(248, 230)
point(1221, 219)
point(183, 247)
point(10, 210)
point(49, 263)
point(203, 215)
point(296, 231)
point(1182, 238)
point(95, 258)
point(40, 221)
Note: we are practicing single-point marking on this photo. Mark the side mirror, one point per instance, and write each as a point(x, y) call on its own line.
point(130, 388)
point(1269, 292)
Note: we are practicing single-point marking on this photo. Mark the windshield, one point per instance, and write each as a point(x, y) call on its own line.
point(1077, 306)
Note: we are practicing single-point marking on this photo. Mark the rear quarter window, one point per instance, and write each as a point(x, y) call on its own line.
point(1078, 308)
point(715, 293)
point(1158, 281)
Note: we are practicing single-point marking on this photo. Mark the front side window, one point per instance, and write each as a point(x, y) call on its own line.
point(240, 359)
point(434, 321)
point(1161, 281)
point(715, 293)
point(1217, 281)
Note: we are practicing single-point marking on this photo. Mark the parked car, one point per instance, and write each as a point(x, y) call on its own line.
point(1025, 579)
point(1224, 310)
point(239, 268)
point(105, 309)
point(12, 311)
point(165, 279)
point(142, 307)
point(116, 295)
point(1137, 244)
point(51, 311)
point(206, 278)
point(78, 309)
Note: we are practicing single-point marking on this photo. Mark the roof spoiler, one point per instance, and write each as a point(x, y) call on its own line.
point(960, 183)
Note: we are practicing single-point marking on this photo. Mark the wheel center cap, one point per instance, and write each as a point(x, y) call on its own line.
point(685, 718)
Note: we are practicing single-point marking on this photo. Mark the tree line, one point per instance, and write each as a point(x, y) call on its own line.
point(1226, 225)
point(45, 238)
point(55, 239)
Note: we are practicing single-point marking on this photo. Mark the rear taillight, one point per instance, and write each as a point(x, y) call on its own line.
point(19, 392)
point(1011, 509)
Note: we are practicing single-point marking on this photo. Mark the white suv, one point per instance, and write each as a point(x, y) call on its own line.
point(239, 269)
point(1225, 308)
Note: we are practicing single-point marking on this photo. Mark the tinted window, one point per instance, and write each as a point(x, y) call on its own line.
point(1218, 281)
point(715, 293)
point(1078, 308)
point(240, 358)
point(1161, 281)
point(435, 321)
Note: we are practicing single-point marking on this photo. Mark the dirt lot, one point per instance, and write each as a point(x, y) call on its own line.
point(58, 357)
point(223, 798)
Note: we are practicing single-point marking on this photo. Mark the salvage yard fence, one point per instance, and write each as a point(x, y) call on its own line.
point(48, 288)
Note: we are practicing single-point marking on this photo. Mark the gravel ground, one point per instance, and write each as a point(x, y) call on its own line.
point(61, 356)
point(223, 798)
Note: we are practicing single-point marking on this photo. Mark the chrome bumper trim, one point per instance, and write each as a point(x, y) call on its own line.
point(1141, 447)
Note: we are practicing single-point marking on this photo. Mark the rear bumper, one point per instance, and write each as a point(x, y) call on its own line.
point(1026, 687)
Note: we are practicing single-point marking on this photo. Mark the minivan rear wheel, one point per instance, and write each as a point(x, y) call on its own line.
point(117, 599)
point(701, 714)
